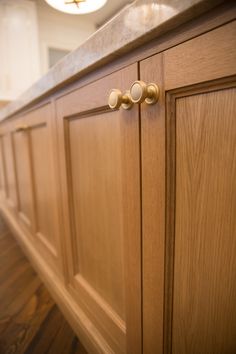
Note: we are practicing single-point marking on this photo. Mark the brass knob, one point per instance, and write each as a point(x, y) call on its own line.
point(117, 99)
point(140, 91)
point(21, 128)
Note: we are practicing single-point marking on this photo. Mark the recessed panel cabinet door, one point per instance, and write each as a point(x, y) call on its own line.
point(196, 287)
point(34, 143)
point(24, 175)
point(7, 165)
point(99, 149)
point(2, 171)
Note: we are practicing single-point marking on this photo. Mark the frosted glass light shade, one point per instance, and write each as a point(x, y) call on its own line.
point(83, 8)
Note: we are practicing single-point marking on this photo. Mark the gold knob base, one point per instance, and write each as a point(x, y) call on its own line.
point(117, 99)
point(127, 103)
point(153, 94)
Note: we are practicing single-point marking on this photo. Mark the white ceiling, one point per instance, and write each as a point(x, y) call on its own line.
point(101, 16)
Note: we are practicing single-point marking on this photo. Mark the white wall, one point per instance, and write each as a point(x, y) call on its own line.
point(18, 45)
point(59, 30)
point(27, 29)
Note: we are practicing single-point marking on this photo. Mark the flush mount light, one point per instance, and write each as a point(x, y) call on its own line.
point(76, 7)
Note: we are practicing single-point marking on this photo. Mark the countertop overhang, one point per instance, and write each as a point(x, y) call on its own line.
point(135, 25)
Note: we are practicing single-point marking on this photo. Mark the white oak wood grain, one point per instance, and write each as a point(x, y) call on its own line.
point(204, 309)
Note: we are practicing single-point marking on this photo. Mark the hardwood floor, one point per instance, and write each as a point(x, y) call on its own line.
point(30, 321)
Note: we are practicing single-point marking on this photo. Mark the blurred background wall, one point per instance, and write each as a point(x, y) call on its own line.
point(34, 36)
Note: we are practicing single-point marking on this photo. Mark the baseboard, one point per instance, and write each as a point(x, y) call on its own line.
point(83, 327)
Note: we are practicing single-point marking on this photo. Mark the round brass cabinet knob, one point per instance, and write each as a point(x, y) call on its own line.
point(117, 99)
point(140, 91)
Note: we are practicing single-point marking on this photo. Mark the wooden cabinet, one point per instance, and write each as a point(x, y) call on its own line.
point(129, 215)
point(100, 171)
point(189, 198)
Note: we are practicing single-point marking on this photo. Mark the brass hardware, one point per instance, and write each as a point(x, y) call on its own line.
point(117, 99)
point(140, 91)
point(21, 128)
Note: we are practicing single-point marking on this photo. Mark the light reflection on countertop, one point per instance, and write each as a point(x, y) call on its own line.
point(145, 15)
point(137, 24)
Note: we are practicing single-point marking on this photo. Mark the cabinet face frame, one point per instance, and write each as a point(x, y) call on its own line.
point(121, 335)
point(218, 47)
point(153, 155)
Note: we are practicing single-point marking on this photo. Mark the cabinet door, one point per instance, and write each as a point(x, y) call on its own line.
point(7, 165)
point(37, 181)
point(2, 170)
point(99, 151)
point(189, 264)
point(24, 175)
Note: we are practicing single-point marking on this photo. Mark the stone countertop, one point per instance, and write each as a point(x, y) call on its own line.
point(135, 25)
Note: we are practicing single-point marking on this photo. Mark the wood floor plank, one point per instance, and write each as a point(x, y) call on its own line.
point(49, 329)
point(69, 343)
point(8, 282)
point(14, 286)
point(12, 254)
point(12, 266)
point(6, 243)
point(30, 321)
point(21, 328)
point(3, 226)
point(77, 347)
point(8, 261)
point(4, 234)
point(18, 302)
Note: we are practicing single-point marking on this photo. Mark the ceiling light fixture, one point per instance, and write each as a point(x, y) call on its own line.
point(76, 2)
point(76, 7)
